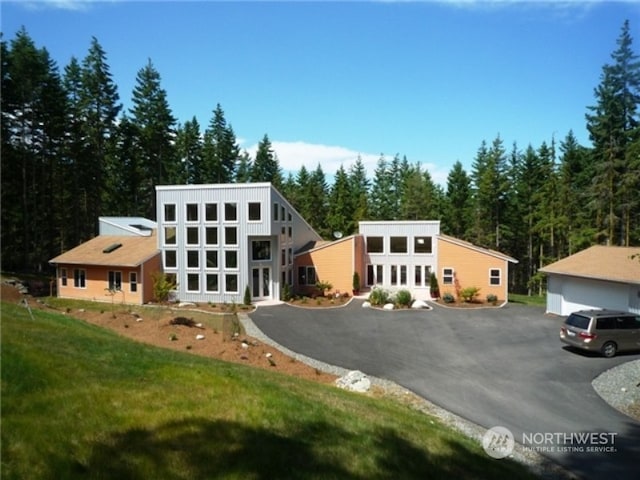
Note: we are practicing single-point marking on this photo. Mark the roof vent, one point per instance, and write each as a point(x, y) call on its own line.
point(112, 247)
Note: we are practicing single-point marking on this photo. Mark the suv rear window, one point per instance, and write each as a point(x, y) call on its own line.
point(578, 321)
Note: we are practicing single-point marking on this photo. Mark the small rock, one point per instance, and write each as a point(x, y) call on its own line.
point(199, 325)
point(82, 310)
point(623, 389)
point(186, 304)
point(354, 381)
point(268, 355)
point(199, 337)
point(419, 304)
point(366, 305)
point(245, 345)
point(138, 319)
point(389, 306)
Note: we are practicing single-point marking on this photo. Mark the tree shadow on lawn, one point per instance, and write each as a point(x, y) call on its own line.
point(201, 448)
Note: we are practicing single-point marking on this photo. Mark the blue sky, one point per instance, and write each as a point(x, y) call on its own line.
point(329, 81)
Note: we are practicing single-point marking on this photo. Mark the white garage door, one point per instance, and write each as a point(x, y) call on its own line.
point(580, 294)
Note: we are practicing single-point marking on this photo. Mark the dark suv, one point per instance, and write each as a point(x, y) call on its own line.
point(604, 331)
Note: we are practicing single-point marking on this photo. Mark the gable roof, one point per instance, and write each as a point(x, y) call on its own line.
point(600, 262)
point(471, 246)
point(131, 252)
point(318, 245)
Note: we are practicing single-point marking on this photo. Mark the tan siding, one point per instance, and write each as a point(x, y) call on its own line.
point(471, 269)
point(334, 264)
point(97, 282)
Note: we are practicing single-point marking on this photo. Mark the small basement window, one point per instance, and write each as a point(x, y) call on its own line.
point(112, 247)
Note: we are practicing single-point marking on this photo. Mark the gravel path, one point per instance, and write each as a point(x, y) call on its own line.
point(620, 388)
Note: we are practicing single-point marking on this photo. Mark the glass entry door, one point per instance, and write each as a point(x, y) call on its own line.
point(261, 282)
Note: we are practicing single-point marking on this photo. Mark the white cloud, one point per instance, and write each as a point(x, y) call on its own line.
point(293, 155)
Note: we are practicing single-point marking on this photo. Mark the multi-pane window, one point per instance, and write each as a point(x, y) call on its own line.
point(254, 211)
point(193, 282)
point(230, 212)
point(306, 275)
point(398, 244)
point(422, 275)
point(192, 212)
point(447, 276)
point(211, 235)
point(192, 236)
point(212, 259)
point(170, 259)
point(133, 282)
point(261, 250)
point(169, 212)
point(230, 236)
point(63, 277)
point(212, 282)
point(79, 278)
point(230, 259)
point(231, 283)
point(211, 212)
point(169, 235)
point(375, 245)
point(193, 259)
point(494, 276)
point(115, 280)
point(422, 245)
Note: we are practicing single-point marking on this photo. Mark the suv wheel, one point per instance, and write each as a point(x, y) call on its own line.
point(609, 349)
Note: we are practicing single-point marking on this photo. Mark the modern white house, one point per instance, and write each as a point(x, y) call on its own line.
point(598, 277)
point(217, 239)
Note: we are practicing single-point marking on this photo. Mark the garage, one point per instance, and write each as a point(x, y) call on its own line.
point(598, 277)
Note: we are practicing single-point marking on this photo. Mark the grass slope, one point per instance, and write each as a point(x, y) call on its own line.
point(81, 402)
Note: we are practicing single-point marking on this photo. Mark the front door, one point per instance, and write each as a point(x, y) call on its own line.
point(261, 282)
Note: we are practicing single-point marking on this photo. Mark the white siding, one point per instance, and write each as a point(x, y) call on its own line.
point(266, 228)
point(393, 262)
point(569, 294)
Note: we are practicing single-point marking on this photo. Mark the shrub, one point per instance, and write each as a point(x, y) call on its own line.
point(433, 286)
point(404, 298)
point(356, 282)
point(163, 284)
point(448, 297)
point(285, 294)
point(491, 298)
point(469, 294)
point(378, 296)
point(247, 296)
point(323, 287)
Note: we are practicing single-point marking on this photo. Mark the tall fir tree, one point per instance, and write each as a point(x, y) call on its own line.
point(220, 150)
point(613, 127)
point(359, 189)
point(458, 221)
point(100, 107)
point(340, 214)
point(189, 149)
point(266, 167)
point(382, 201)
point(155, 132)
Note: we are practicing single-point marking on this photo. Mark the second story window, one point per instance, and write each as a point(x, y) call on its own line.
point(254, 212)
point(230, 212)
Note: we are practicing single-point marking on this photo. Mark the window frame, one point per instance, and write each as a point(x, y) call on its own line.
point(249, 211)
point(63, 277)
point(133, 282)
point(428, 240)
point(393, 239)
point(368, 243)
point(207, 210)
point(112, 280)
point(494, 277)
point(451, 275)
point(206, 286)
point(189, 256)
point(229, 229)
point(165, 211)
point(226, 258)
point(190, 208)
point(175, 258)
point(227, 216)
point(79, 277)
point(228, 276)
point(188, 233)
point(191, 276)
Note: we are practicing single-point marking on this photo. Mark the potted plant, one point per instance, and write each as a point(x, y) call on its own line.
point(356, 283)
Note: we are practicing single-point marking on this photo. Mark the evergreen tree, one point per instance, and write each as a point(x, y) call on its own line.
point(99, 110)
point(220, 151)
point(189, 150)
point(382, 203)
point(318, 193)
point(155, 132)
point(458, 221)
point(33, 120)
point(418, 200)
point(341, 208)
point(613, 128)
point(245, 166)
point(266, 167)
point(359, 189)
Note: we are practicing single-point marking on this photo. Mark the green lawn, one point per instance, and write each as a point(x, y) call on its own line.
point(81, 402)
point(534, 300)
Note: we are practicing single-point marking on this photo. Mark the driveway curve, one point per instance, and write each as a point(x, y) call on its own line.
point(494, 367)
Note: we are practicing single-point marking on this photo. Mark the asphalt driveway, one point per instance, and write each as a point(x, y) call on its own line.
point(494, 367)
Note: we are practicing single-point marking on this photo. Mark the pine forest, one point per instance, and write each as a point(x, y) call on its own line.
point(71, 153)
